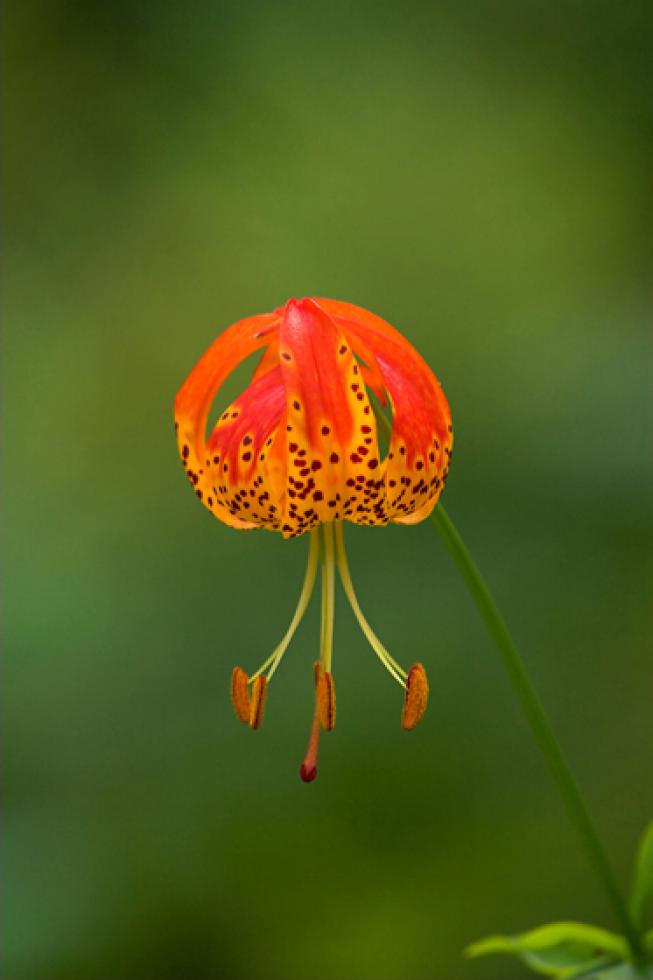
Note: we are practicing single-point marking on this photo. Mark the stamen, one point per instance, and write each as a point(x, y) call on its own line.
point(326, 702)
point(416, 697)
point(390, 664)
point(308, 768)
point(275, 657)
point(240, 694)
point(257, 704)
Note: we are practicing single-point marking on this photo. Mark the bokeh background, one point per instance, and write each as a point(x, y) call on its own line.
point(480, 175)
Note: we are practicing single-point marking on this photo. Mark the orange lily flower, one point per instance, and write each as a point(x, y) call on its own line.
point(298, 451)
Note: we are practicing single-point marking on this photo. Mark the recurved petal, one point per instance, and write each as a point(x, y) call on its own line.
point(269, 360)
point(195, 397)
point(334, 471)
point(246, 456)
point(421, 441)
point(421, 512)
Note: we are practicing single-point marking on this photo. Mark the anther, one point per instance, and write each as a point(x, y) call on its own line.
point(240, 694)
point(257, 702)
point(416, 697)
point(326, 701)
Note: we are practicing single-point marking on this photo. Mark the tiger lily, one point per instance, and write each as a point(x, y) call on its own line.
point(298, 452)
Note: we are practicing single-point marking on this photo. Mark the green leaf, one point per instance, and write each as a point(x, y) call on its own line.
point(643, 880)
point(559, 949)
point(593, 968)
point(621, 971)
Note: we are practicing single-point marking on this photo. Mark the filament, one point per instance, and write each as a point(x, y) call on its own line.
point(275, 657)
point(391, 665)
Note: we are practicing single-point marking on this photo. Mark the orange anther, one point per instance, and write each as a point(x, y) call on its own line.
point(240, 694)
point(326, 701)
point(416, 697)
point(257, 703)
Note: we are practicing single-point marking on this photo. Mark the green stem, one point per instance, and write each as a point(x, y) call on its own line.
point(538, 721)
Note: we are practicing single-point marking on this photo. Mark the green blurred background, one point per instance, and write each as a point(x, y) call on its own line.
point(480, 175)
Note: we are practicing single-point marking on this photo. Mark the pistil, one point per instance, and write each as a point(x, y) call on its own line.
point(308, 768)
point(324, 713)
point(328, 597)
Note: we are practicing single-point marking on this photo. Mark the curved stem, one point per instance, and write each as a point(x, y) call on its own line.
point(538, 721)
point(535, 715)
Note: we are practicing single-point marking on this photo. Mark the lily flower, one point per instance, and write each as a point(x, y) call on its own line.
point(298, 452)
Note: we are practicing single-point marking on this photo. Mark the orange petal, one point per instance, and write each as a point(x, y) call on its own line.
point(246, 455)
point(269, 360)
point(421, 440)
point(333, 463)
point(197, 394)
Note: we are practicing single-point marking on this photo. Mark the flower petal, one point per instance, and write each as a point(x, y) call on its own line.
point(334, 470)
point(197, 394)
point(246, 454)
point(421, 440)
